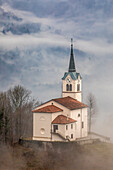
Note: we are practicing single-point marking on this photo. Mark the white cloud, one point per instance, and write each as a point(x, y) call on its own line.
point(96, 46)
point(29, 41)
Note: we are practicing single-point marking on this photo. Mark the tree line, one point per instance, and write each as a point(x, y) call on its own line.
point(16, 114)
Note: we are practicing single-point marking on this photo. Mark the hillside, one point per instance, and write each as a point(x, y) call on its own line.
point(97, 156)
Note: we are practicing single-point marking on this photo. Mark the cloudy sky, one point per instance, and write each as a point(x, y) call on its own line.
point(35, 47)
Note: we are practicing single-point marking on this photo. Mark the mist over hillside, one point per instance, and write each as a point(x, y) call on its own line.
point(93, 156)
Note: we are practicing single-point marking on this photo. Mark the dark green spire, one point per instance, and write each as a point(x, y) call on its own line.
point(72, 63)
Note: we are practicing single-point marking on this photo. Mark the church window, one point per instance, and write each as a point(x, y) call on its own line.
point(79, 115)
point(55, 127)
point(42, 131)
point(42, 118)
point(82, 124)
point(66, 127)
point(67, 87)
point(71, 136)
point(70, 87)
point(71, 126)
point(78, 87)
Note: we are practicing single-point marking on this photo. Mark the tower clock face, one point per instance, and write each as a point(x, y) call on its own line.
point(68, 80)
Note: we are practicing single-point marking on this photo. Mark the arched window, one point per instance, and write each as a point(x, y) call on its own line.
point(70, 87)
point(42, 118)
point(42, 131)
point(67, 87)
point(78, 87)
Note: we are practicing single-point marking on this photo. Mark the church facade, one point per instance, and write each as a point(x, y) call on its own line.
point(66, 118)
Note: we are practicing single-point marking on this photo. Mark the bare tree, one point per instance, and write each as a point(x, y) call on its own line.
point(4, 117)
point(16, 114)
point(21, 104)
point(18, 96)
point(92, 109)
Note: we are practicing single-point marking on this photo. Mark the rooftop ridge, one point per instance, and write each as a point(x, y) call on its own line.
point(48, 109)
point(62, 119)
point(70, 103)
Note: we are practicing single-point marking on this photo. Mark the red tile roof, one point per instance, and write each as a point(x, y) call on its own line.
point(70, 103)
point(48, 109)
point(61, 119)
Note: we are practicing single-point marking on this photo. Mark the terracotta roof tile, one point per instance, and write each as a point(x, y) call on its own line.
point(61, 119)
point(48, 109)
point(70, 103)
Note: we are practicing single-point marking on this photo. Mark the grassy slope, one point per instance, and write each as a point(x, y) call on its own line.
point(97, 156)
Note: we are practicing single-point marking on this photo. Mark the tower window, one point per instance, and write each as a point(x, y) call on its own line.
point(78, 87)
point(70, 87)
point(67, 87)
point(66, 127)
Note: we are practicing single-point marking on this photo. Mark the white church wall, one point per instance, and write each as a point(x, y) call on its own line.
point(61, 129)
point(76, 114)
point(81, 116)
point(85, 120)
point(41, 139)
point(42, 125)
point(55, 137)
point(71, 130)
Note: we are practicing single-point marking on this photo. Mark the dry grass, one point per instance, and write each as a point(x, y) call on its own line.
point(97, 156)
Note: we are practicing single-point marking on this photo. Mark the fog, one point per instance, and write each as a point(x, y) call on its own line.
point(65, 157)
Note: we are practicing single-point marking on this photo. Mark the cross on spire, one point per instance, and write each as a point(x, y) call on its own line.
point(72, 63)
point(71, 41)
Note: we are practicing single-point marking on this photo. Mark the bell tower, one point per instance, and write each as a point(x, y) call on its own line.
point(72, 81)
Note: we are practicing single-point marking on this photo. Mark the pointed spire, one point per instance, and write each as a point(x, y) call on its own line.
point(72, 63)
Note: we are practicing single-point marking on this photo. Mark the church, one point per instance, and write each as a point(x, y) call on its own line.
point(66, 118)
